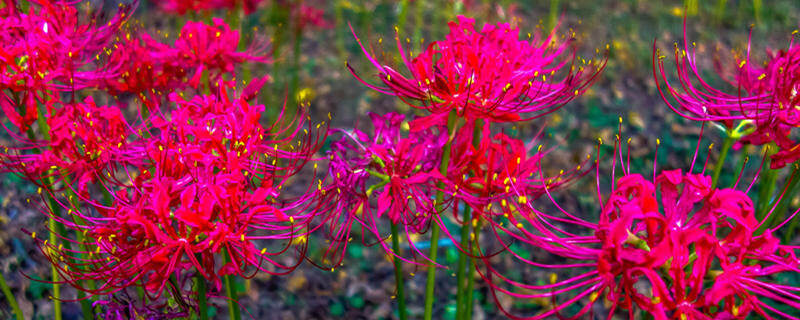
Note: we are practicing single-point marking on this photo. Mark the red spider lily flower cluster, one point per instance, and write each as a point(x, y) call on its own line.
point(672, 246)
point(499, 167)
point(150, 69)
point(479, 78)
point(393, 174)
point(209, 186)
point(306, 15)
point(50, 48)
point(165, 183)
point(488, 74)
point(84, 139)
point(181, 7)
point(213, 48)
point(765, 98)
point(396, 172)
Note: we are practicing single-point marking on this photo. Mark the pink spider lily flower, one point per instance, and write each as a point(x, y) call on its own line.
point(52, 47)
point(765, 98)
point(146, 68)
point(309, 16)
point(380, 178)
point(211, 189)
point(488, 74)
point(671, 246)
point(83, 141)
point(181, 7)
point(213, 48)
point(500, 167)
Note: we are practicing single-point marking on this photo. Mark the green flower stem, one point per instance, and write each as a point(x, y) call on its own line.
point(420, 20)
point(692, 7)
point(379, 175)
point(461, 297)
point(471, 274)
point(202, 304)
point(790, 230)
point(474, 236)
point(279, 19)
point(86, 304)
point(233, 307)
point(431, 281)
point(56, 294)
point(12, 301)
point(553, 16)
point(757, 4)
point(766, 185)
point(398, 274)
point(790, 189)
point(140, 293)
point(338, 13)
point(462, 262)
point(51, 222)
point(719, 11)
point(402, 16)
point(726, 146)
point(294, 72)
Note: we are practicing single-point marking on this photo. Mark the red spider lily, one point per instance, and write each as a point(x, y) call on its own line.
point(50, 48)
point(488, 74)
point(766, 97)
point(387, 173)
point(213, 48)
point(499, 167)
point(306, 15)
point(695, 254)
point(210, 186)
point(404, 173)
point(82, 142)
point(144, 68)
point(181, 7)
point(150, 69)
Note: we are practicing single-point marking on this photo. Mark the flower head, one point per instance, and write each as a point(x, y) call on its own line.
point(488, 74)
point(213, 48)
point(762, 109)
point(382, 178)
point(672, 246)
point(52, 47)
point(210, 189)
point(181, 7)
